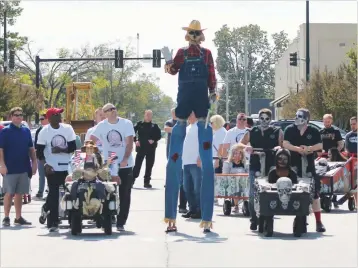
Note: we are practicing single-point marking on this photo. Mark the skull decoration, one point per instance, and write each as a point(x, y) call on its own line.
point(284, 190)
point(322, 166)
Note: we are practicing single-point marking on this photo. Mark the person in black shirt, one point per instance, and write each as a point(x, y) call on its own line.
point(266, 137)
point(303, 140)
point(249, 122)
point(147, 136)
point(282, 167)
point(351, 137)
point(40, 167)
point(331, 137)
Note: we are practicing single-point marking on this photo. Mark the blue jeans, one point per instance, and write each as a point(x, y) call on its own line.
point(41, 170)
point(251, 197)
point(192, 186)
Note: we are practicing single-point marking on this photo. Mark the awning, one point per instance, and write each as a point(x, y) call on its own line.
point(279, 100)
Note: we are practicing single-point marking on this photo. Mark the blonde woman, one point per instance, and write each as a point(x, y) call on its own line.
point(235, 164)
point(219, 132)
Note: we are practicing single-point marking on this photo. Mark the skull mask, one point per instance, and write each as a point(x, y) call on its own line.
point(265, 120)
point(284, 190)
point(322, 166)
point(301, 119)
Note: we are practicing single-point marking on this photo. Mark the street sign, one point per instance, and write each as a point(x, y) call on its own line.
point(157, 54)
point(118, 58)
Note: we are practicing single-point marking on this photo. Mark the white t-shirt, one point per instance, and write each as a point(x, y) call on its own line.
point(234, 135)
point(218, 139)
point(88, 137)
point(113, 139)
point(51, 137)
point(191, 145)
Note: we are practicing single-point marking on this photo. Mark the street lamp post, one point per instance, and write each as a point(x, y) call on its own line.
point(5, 38)
point(307, 41)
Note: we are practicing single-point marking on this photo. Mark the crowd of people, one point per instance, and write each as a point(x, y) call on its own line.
point(232, 150)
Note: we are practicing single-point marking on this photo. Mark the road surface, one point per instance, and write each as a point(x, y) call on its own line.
point(145, 244)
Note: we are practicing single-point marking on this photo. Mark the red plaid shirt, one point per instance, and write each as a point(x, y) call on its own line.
point(194, 51)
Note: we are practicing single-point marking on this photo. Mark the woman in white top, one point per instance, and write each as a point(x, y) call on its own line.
point(235, 164)
point(219, 133)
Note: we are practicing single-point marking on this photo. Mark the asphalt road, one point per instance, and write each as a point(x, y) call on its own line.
point(145, 244)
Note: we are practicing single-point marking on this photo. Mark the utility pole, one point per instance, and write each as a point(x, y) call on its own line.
point(227, 81)
point(138, 46)
point(246, 60)
point(5, 38)
point(307, 41)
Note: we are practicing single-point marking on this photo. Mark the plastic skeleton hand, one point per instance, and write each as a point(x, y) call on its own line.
point(168, 55)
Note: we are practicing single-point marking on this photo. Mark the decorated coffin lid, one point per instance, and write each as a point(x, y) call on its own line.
point(302, 182)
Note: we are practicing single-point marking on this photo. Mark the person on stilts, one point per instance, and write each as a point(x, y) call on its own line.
point(196, 69)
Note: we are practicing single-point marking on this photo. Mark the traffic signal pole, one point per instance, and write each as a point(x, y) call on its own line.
point(5, 38)
point(118, 60)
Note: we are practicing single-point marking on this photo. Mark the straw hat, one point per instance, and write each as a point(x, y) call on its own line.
point(194, 26)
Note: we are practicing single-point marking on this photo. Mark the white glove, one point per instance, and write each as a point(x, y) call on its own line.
point(168, 55)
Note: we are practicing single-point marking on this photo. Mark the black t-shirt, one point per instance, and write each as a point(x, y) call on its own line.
point(268, 140)
point(330, 138)
point(351, 142)
point(309, 138)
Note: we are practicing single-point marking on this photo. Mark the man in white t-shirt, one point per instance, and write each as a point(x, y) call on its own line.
point(55, 144)
point(116, 135)
point(98, 117)
point(192, 168)
point(234, 135)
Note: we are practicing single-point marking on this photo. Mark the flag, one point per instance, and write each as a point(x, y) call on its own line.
point(77, 158)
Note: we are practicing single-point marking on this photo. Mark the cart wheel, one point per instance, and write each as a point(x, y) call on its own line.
point(24, 199)
point(42, 220)
point(48, 221)
point(351, 204)
point(227, 207)
point(269, 226)
point(245, 209)
point(98, 223)
point(69, 217)
point(76, 223)
point(298, 226)
point(327, 204)
point(261, 224)
point(29, 198)
point(107, 220)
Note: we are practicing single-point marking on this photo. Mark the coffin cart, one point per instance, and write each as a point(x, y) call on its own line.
point(230, 187)
point(340, 179)
point(283, 198)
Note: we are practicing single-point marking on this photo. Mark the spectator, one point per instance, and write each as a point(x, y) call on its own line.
point(351, 137)
point(219, 133)
point(146, 143)
point(56, 142)
point(116, 135)
point(98, 117)
point(331, 137)
point(16, 149)
point(227, 125)
point(41, 169)
point(192, 168)
point(168, 126)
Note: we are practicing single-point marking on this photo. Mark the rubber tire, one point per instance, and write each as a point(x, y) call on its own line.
point(29, 198)
point(107, 222)
point(48, 221)
point(42, 220)
point(227, 207)
point(245, 209)
point(261, 224)
point(24, 199)
point(98, 223)
point(298, 227)
point(76, 223)
point(69, 218)
point(327, 204)
point(351, 204)
point(269, 226)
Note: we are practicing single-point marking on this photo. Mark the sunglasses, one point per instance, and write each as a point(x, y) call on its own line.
point(299, 116)
point(241, 119)
point(17, 115)
point(110, 109)
point(195, 32)
point(265, 118)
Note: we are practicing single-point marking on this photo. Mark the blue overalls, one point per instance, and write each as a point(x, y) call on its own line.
point(192, 96)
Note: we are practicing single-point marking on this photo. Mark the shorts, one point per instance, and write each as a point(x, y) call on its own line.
point(16, 183)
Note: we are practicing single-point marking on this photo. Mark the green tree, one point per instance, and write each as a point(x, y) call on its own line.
point(13, 11)
point(262, 55)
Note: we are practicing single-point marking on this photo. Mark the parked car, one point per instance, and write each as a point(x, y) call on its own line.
point(315, 123)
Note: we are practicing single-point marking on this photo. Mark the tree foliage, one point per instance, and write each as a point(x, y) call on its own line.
point(329, 92)
point(262, 55)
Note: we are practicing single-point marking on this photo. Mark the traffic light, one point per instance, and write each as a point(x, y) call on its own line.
point(157, 58)
point(293, 59)
point(12, 60)
point(118, 58)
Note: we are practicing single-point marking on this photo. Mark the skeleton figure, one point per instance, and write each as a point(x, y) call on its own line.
point(284, 190)
point(322, 166)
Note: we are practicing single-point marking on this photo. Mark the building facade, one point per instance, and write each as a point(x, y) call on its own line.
point(329, 44)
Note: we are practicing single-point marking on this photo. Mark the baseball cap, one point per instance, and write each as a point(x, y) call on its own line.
point(52, 111)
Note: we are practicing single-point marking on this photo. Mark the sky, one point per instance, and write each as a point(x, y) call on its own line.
point(51, 25)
